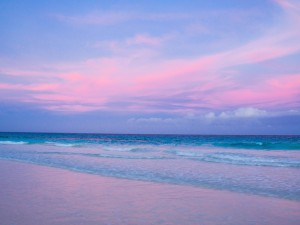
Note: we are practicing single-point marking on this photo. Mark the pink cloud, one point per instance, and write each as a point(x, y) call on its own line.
point(274, 91)
point(8, 86)
point(72, 77)
point(100, 81)
point(42, 87)
point(72, 108)
point(145, 74)
point(178, 72)
point(288, 4)
point(288, 82)
point(30, 87)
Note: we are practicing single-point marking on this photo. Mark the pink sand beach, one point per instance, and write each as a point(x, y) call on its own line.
point(34, 195)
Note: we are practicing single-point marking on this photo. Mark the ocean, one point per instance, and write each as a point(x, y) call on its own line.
point(257, 165)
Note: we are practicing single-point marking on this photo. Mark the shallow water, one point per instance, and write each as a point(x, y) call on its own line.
point(260, 165)
point(34, 195)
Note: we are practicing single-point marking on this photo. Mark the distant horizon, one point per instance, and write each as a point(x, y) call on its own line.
point(141, 134)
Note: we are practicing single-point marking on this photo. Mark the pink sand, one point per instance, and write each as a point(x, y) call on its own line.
point(35, 195)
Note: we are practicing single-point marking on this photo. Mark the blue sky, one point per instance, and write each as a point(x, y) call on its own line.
point(192, 67)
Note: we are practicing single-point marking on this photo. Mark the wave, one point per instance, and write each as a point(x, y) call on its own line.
point(260, 145)
point(239, 159)
point(58, 144)
point(127, 148)
point(13, 143)
point(98, 155)
point(258, 185)
point(183, 166)
point(147, 143)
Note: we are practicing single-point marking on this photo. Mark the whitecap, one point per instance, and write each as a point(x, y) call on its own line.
point(13, 142)
point(60, 144)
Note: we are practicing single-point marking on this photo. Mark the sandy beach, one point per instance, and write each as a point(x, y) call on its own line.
point(150, 112)
point(32, 194)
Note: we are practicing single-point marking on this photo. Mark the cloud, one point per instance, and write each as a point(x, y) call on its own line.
point(270, 92)
point(30, 87)
point(244, 112)
point(210, 116)
point(289, 4)
point(141, 79)
point(277, 41)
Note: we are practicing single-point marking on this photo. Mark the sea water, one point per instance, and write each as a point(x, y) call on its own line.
point(259, 165)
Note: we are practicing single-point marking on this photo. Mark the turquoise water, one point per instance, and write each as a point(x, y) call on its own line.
point(260, 165)
point(227, 141)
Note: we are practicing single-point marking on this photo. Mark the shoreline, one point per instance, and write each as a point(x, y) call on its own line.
point(34, 194)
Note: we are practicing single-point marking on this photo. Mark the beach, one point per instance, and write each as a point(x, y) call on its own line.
point(150, 112)
point(32, 194)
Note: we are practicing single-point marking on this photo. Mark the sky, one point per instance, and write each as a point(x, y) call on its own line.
point(169, 67)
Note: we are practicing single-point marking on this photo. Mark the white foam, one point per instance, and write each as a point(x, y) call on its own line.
point(13, 142)
point(60, 144)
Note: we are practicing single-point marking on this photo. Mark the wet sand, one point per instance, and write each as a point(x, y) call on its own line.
point(34, 195)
